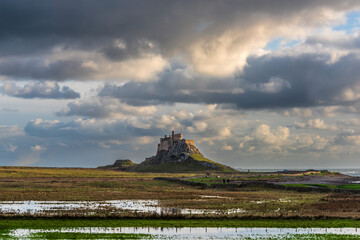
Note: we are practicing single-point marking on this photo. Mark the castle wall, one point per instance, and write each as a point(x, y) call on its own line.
point(164, 144)
point(189, 141)
point(168, 141)
point(177, 137)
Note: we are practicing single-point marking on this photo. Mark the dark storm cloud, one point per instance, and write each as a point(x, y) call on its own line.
point(160, 27)
point(172, 24)
point(48, 90)
point(40, 70)
point(86, 130)
point(121, 50)
point(310, 81)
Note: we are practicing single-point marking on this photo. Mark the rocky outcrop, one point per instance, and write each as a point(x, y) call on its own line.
point(176, 154)
point(179, 151)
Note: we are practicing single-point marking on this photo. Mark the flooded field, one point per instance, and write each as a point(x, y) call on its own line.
point(193, 233)
point(43, 208)
point(91, 192)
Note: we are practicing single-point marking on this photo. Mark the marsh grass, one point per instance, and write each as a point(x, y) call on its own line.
point(60, 235)
point(43, 223)
point(343, 186)
point(38, 172)
point(4, 233)
point(61, 184)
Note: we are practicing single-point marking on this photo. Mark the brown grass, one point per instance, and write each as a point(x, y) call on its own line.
point(93, 184)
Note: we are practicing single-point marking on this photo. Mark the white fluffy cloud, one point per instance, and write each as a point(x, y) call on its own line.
point(38, 148)
point(277, 136)
point(316, 123)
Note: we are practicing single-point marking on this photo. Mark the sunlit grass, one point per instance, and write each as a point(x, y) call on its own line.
point(77, 172)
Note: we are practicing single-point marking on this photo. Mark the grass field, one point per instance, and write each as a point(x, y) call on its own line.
point(50, 229)
point(20, 183)
point(343, 186)
point(292, 223)
point(38, 172)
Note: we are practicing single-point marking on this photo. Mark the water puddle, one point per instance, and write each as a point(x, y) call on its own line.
point(208, 196)
point(93, 207)
point(193, 233)
point(282, 200)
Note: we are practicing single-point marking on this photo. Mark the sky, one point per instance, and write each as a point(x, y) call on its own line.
point(256, 84)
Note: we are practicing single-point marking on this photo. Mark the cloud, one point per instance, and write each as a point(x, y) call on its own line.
point(47, 89)
point(104, 108)
point(89, 129)
point(336, 39)
point(280, 142)
point(297, 112)
point(311, 143)
point(197, 126)
point(316, 123)
point(350, 137)
point(38, 148)
point(274, 85)
point(120, 50)
point(227, 148)
point(234, 134)
point(8, 132)
point(207, 68)
point(10, 147)
point(9, 110)
point(263, 133)
point(44, 70)
point(310, 81)
point(94, 38)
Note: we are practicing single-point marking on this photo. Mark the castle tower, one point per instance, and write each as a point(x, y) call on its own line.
point(172, 137)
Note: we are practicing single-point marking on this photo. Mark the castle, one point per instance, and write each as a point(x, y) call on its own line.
point(175, 154)
point(167, 142)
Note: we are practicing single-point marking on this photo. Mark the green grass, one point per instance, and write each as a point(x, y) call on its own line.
point(192, 164)
point(208, 181)
point(59, 223)
point(349, 186)
point(220, 167)
point(59, 235)
point(344, 186)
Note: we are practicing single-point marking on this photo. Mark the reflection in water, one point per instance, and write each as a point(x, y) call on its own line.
point(195, 233)
point(89, 207)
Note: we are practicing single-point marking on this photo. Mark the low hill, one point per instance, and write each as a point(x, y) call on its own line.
point(122, 165)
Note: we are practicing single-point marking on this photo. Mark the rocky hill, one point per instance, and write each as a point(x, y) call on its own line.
point(175, 154)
